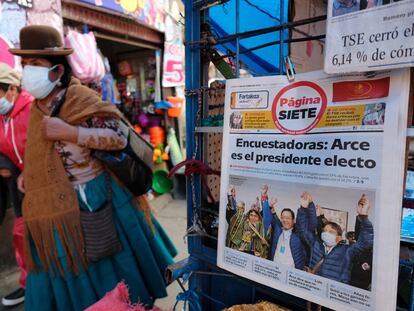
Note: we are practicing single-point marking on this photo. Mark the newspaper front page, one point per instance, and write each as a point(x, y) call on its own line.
point(311, 186)
point(369, 35)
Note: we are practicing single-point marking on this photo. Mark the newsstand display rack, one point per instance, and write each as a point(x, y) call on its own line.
point(209, 287)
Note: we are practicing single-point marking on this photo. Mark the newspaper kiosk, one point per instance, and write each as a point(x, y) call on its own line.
point(231, 39)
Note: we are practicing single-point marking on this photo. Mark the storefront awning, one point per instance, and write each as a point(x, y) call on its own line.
point(112, 23)
point(254, 14)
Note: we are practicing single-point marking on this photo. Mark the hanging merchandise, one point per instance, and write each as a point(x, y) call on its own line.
point(143, 120)
point(157, 135)
point(85, 61)
point(160, 182)
point(177, 106)
point(109, 91)
point(160, 154)
point(175, 150)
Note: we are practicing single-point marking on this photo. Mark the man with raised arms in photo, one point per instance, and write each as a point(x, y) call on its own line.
point(285, 240)
point(330, 258)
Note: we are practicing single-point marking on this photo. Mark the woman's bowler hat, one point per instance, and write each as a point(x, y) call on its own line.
point(40, 40)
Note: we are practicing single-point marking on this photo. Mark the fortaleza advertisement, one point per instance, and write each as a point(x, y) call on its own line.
point(310, 192)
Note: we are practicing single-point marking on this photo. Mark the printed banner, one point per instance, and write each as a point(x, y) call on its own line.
point(150, 12)
point(310, 199)
point(173, 71)
point(369, 35)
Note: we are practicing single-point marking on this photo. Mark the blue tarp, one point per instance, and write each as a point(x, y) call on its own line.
point(254, 14)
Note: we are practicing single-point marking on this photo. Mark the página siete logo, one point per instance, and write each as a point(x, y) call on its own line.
point(298, 107)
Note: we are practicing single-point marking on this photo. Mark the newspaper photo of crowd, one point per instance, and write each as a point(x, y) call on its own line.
point(309, 236)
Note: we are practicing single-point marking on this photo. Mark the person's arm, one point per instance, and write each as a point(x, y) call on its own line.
point(96, 133)
point(275, 219)
point(101, 134)
point(306, 220)
point(312, 218)
point(357, 228)
point(365, 236)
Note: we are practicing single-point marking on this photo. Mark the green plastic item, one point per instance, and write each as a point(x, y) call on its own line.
point(160, 182)
point(224, 68)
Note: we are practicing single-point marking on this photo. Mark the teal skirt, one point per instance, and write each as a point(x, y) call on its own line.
point(140, 263)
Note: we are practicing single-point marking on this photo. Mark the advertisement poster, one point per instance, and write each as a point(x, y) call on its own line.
point(369, 35)
point(310, 194)
point(173, 71)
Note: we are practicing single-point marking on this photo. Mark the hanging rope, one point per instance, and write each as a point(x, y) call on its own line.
point(190, 298)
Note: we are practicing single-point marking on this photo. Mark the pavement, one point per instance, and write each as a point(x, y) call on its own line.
point(173, 218)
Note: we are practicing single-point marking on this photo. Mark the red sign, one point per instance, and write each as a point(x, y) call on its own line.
point(5, 55)
point(298, 107)
point(359, 90)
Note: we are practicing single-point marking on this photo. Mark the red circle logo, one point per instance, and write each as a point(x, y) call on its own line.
point(298, 107)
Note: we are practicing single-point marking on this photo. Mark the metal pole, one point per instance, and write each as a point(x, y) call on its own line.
point(282, 21)
point(238, 39)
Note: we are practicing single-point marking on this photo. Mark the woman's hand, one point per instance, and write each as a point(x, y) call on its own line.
point(20, 183)
point(54, 129)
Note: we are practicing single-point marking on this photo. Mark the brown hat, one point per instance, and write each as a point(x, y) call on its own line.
point(40, 40)
point(8, 75)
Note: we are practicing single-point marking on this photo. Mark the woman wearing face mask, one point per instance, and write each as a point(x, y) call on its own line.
point(63, 183)
point(15, 106)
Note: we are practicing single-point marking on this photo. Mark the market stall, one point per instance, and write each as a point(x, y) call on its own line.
point(136, 75)
point(244, 38)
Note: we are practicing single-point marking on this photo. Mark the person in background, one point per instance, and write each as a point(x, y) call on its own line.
point(68, 193)
point(361, 272)
point(231, 208)
point(350, 237)
point(15, 104)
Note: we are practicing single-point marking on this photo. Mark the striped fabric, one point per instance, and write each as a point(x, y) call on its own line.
point(87, 65)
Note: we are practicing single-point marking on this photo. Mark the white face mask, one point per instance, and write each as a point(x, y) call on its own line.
point(329, 239)
point(36, 81)
point(5, 106)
